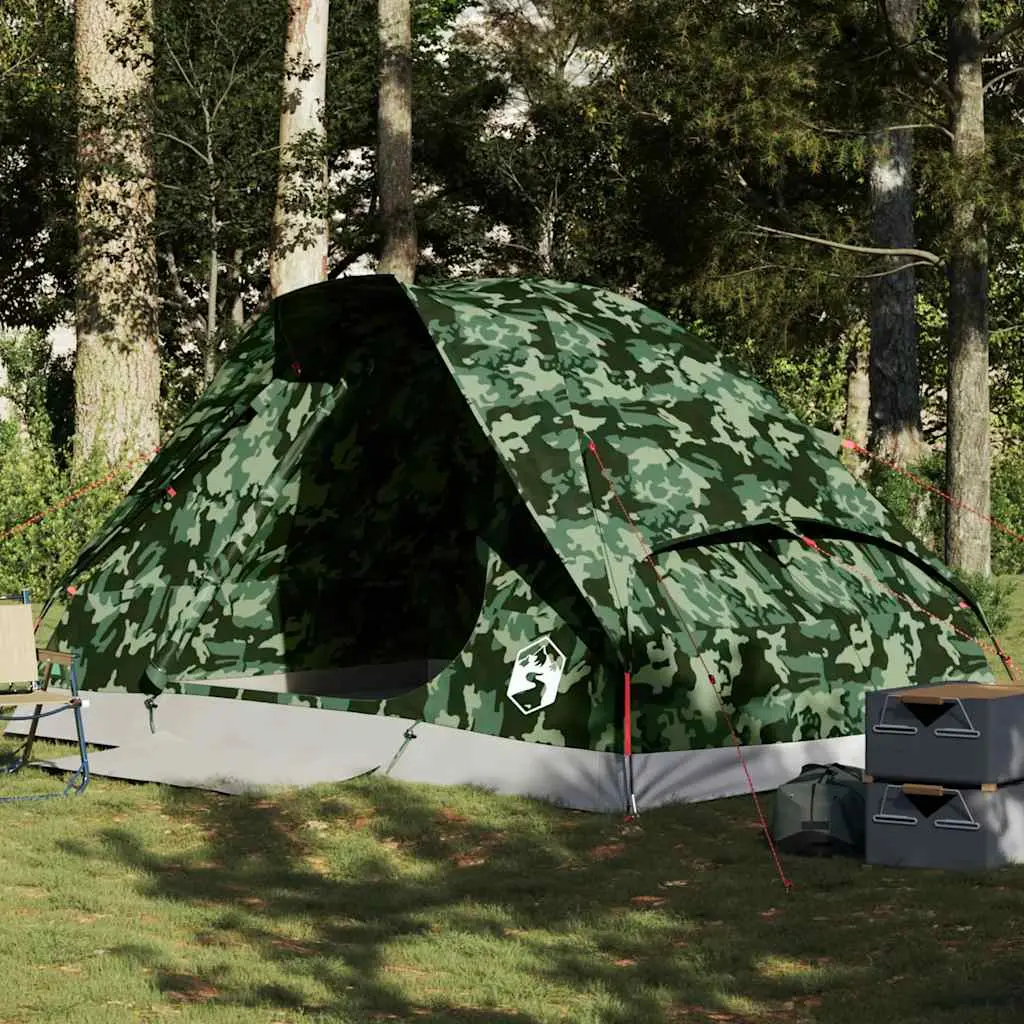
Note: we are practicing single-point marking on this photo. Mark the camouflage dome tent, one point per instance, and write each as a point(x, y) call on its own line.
point(386, 507)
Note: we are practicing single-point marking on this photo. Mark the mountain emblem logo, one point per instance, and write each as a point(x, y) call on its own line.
point(536, 673)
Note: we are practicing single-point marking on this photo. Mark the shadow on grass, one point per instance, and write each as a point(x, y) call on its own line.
point(379, 901)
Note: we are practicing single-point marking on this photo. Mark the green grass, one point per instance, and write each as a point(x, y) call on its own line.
point(376, 901)
point(1012, 637)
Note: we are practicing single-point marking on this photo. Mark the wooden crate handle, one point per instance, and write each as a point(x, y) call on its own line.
point(919, 789)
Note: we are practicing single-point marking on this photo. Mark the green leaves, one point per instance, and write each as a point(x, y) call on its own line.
point(38, 539)
point(36, 162)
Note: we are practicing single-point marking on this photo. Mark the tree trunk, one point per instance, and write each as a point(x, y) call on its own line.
point(117, 373)
point(238, 303)
point(399, 248)
point(858, 397)
point(968, 536)
point(213, 270)
point(895, 419)
point(210, 348)
point(299, 247)
point(547, 228)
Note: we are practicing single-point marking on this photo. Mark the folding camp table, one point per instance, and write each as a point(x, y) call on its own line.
point(20, 662)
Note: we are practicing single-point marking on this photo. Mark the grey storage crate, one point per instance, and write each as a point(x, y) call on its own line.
point(962, 734)
point(916, 825)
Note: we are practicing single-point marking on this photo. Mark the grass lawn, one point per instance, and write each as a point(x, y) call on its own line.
point(1012, 638)
point(377, 901)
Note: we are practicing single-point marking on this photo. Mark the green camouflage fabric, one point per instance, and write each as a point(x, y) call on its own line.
point(477, 504)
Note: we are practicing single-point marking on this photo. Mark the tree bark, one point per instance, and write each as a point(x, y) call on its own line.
point(117, 372)
point(895, 418)
point(210, 354)
point(399, 247)
point(300, 237)
point(968, 457)
point(547, 229)
point(858, 396)
point(238, 302)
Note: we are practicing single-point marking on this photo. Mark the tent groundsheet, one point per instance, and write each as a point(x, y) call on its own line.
point(241, 746)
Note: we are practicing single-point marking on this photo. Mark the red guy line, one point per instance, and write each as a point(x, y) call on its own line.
point(861, 450)
point(649, 559)
point(74, 496)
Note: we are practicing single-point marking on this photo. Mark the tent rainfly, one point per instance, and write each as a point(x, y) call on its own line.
point(439, 525)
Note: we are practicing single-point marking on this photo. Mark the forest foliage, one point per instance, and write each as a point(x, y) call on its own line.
point(667, 149)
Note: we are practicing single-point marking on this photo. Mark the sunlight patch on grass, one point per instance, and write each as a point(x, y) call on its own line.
point(786, 967)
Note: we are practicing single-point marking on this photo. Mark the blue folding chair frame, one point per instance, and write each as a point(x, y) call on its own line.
point(40, 696)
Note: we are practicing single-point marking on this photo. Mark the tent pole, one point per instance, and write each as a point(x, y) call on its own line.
point(627, 743)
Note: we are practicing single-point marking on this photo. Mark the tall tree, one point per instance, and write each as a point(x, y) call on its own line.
point(895, 391)
point(217, 118)
point(968, 452)
point(399, 248)
point(967, 183)
point(300, 239)
point(117, 374)
point(545, 169)
point(734, 131)
point(856, 417)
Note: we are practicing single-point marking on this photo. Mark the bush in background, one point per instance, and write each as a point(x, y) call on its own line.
point(35, 475)
point(995, 595)
point(1008, 509)
point(923, 513)
point(32, 481)
point(41, 389)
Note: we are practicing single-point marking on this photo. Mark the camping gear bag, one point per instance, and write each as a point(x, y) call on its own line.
point(960, 734)
point(821, 811)
point(915, 825)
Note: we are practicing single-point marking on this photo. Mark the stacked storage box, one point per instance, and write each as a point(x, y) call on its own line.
point(945, 771)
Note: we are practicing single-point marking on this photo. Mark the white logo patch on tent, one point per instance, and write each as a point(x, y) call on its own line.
point(535, 676)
